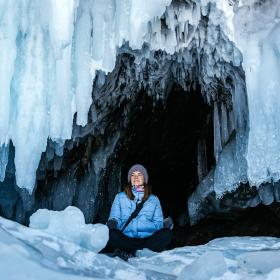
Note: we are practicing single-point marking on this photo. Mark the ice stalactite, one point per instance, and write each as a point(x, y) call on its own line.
point(4, 157)
point(257, 30)
point(53, 49)
point(37, 98)
point(50, 51)
point(58, 54)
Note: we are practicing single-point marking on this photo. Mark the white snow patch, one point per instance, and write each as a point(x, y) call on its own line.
point(28, 253)
point(70, 225)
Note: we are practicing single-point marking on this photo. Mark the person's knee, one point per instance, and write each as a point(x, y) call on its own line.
point(114, 234)
point(159, 241)
point(115, 239)
point(168, 233)
point(167, 236)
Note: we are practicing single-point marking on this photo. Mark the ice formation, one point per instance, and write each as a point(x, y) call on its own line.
point(51, 50)
point(215, 267)
point(257, 28)
point(28, 253)
point(69, 224)
point(56, 57)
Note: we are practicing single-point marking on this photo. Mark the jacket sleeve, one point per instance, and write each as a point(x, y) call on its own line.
point(158, 216)
point(116, 210)
point(156, 223)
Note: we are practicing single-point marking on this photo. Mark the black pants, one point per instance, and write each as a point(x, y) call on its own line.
point(156, 242)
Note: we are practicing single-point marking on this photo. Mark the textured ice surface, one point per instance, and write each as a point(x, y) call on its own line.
point(49, 53)
point(4, 156)
point(210, 264)
point(262, 262)
point(225, 177)
point(51, 49)
point(230, 170)
point(29, 254)
point(69, 224)
point(257, 28)
point(55, 47)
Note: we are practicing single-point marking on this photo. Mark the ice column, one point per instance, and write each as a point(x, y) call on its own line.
point(36, 98)
point(50, 50)
point(258, 35)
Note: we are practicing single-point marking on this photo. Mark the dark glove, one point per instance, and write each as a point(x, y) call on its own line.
point(112, 224)
point(168, 223)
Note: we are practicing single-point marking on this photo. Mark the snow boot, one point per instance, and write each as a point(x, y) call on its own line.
point(124, 255)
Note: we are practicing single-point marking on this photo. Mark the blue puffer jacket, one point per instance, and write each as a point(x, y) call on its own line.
point(149, 219)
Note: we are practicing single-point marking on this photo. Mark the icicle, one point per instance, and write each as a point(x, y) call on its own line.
point(217, 132)
point(4, 157)
point(9, 20)
point(201, 160)
point(82, 55)
point(259, 39)
point(50, 52)
point(224, 124)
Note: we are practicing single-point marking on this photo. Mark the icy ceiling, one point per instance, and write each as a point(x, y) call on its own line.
point(50, 51)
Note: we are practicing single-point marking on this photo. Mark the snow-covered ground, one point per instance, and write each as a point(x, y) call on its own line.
point(28, 253)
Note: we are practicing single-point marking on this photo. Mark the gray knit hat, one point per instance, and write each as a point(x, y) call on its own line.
point(140, 168)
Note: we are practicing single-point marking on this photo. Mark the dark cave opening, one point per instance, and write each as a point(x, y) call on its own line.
point(164, 137)
point(262, 220)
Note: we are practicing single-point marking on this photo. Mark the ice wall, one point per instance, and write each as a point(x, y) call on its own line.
point(257, 30)
point(55, 47)
point(50, 50)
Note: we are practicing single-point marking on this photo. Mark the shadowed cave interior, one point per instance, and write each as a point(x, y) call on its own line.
point(175, 143)
point(174, 140)
point(165, 139)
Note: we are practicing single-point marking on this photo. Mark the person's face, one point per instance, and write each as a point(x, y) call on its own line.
point(137, 178)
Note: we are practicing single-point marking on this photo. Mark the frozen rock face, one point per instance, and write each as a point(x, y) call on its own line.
point(88, 67)
point(86, 171)
point(256, 33)
point(51, 50)
point(56, 55)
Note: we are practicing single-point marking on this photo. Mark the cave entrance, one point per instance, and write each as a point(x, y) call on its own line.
point(174, 141)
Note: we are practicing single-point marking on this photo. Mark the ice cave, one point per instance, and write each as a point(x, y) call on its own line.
point(188, 88)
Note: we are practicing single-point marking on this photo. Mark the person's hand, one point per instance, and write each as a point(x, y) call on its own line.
point(168, 223)
point(112, 224)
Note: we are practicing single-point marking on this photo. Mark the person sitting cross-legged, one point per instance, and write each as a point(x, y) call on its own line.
point(147, 229)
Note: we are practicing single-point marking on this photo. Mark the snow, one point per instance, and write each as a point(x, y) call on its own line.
point(28, 253)
point(210, 264)
point(69, 224)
